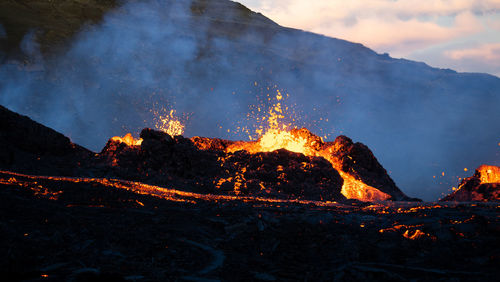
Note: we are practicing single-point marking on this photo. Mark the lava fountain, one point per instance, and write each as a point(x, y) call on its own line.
point(167, 122)
point(275, 134)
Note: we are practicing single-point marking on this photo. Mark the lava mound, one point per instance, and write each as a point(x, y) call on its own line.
point(164, 160)
point(358, 163)
point(329, 171)
point(483, 186)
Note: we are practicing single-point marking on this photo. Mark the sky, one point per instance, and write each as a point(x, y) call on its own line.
point(463, 35)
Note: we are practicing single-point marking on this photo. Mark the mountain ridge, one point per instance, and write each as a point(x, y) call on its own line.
point(99, 10)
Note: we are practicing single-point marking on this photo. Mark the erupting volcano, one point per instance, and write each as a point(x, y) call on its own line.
point(238, 154)
point(283, 162)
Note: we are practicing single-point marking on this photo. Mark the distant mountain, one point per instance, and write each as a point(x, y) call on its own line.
point(96, 69)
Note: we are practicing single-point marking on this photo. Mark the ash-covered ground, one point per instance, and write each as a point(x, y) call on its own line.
point(83, 222)
point(82, 230)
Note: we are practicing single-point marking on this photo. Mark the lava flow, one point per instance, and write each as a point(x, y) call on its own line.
point(304, 142)
point(489, 174)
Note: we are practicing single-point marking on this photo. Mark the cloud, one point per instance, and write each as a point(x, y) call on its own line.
point(478, 58)
point(401, 8)
point(494, 23)
point(396, 26)
point(488, 53)
point(402, 36)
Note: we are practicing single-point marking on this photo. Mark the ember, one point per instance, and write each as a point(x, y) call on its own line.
point(168, 122)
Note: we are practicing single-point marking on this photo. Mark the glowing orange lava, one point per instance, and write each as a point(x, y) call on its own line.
point(168, 123)
point(273, 134)
point(128, 139)
point(278, 135)
point(489, 174)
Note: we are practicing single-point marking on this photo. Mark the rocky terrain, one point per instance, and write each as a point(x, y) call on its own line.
point(85, 229)
point(164, 160)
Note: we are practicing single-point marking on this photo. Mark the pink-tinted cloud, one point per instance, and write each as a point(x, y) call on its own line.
point(343, 9)
point(488, 53)
point(403, 36)
point(381, 24)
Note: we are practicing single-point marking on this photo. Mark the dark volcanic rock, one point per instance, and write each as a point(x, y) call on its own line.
point(213, 144)
point(483, 186)
point(27, 146)
point(198, 164)
point(206, 165)
point(282, 172)
point(96, 231)
point(162, 160)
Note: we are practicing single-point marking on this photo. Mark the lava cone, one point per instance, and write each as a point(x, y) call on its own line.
point(483, 186)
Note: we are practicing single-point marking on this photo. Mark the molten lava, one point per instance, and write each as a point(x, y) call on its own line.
point(165, 122)
point(274, 133)
point(489, 174)
point(276, 139)
point(295, 140)
point(128, 139)
point(277, 135)
point(169, 123)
